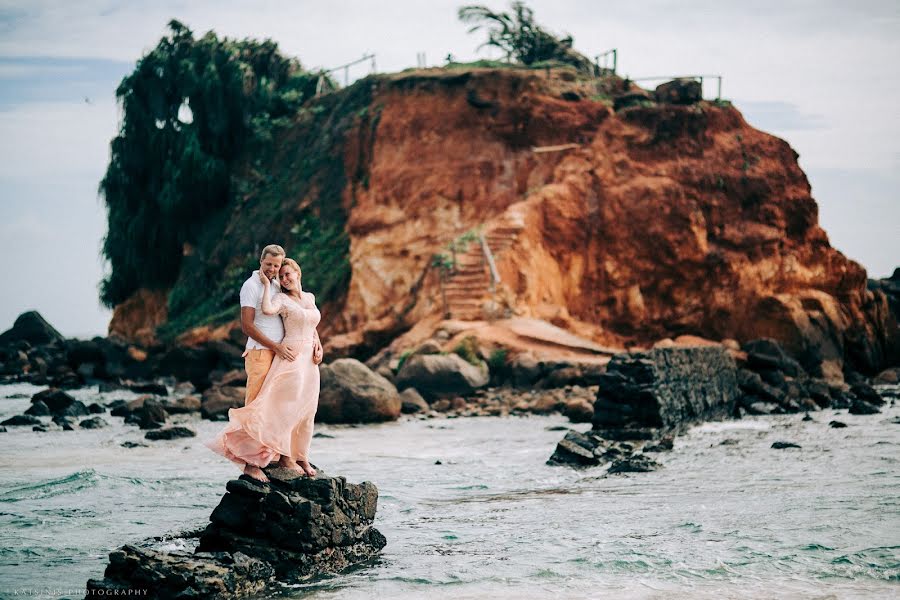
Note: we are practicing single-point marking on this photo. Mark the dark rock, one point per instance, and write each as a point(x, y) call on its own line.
point(525, 370)
point(21, 420)
point(133, 445)
point(860, 407)
point(218, 400)
point(679, 91)
point(96, 409)
point(412, 402)
point(441, 375)
point(38, 409)
point(157, 389)
point(32, 328)
point(867, 393)
point(818, 390)
point(751, 383)
point(665, 444)
point(807, 417)
point(353, 393)
point(150, 414)
point(579, 410)
point(783, 445)
point(3, 430)
point(666, 387)
point(169, 433)
point(109, 386)
point(578, 450)
point(837, 425)
point(766, 353)
point(39, 428)
point(290, 529)
point(60, 403)
point(67, 423)
point(319, 434)
point(93, 423)
point(636, 463)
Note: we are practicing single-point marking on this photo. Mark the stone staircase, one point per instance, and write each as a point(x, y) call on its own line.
point(468, 286)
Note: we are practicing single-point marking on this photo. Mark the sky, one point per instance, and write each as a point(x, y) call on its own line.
point(822, 75)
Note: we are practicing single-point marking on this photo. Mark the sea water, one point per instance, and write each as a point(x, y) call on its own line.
point(471, 510)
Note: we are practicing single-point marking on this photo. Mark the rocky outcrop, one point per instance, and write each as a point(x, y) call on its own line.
point(290, 529)
point(666, 389)
point(350, 392)
point(648, 396)
point(30, 327)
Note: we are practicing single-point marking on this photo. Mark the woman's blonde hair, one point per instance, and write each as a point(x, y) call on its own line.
point(271, 249)
point(290, 262)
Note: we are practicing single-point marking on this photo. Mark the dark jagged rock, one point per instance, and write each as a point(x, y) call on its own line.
point(60, 403)
point(635, 463)
point(290, 529)
point(95, 409)
point(577, 449)
point(65, 422)
point(650, 397)
point(157, 389)
point(861, 407)
point(170, 433)
point(767, 353)
point(149, 415)
point(21, 420)
point(32, 328)
point(38, 409)
point(666, 388)
point(679, 91)
point(867, 393)
point(836, 425)
point(783, 445)
point(93, 423)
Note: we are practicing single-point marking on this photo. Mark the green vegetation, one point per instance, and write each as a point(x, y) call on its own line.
point(467, 349)
point(190, 109)
point(497, 361)
point(406, 354)
point(521, 38)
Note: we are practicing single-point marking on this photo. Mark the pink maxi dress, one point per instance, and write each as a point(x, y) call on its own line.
point(280, 419)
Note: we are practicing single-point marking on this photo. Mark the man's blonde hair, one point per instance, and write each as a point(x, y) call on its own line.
point(273, 250)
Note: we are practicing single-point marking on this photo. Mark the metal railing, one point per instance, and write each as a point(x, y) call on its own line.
point(320, 85)
point(718, 78)
point(607, 62)
point(489, 257)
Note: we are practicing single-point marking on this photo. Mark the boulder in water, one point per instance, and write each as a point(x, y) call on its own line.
point(351, 392)
point(290, 529)
point(442, 375)
point(32, 328)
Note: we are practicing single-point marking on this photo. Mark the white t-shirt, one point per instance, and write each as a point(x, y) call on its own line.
point(270, 325)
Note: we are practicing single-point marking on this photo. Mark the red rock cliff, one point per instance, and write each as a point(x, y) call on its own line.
point(627, 227)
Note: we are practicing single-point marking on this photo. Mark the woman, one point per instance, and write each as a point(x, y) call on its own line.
point(279, 423)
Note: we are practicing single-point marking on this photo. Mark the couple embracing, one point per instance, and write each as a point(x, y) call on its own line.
point(282, 362)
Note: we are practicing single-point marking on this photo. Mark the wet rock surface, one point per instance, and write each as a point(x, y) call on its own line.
point(291, 529)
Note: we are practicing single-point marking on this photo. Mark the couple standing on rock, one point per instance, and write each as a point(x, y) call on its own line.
point(282, 362)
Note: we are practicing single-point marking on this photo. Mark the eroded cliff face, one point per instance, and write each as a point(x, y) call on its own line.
point(621, 226)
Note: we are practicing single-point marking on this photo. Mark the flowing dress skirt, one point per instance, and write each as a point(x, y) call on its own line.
point(280, 420)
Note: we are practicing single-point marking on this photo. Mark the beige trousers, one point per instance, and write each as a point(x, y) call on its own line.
point(257, 364)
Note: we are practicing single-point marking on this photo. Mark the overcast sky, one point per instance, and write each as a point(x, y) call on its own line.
point(822, 75)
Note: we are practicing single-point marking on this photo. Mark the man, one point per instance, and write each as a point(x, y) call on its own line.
point(264, 332)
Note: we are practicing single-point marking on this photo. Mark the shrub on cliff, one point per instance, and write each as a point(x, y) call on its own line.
point(190, 108)
point(521, 38)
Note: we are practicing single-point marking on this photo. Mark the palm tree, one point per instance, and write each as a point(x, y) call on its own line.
point(521, 38)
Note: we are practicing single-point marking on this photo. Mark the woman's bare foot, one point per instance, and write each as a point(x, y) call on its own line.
point(286, 463)
point(307, 468)
point(256, 473)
